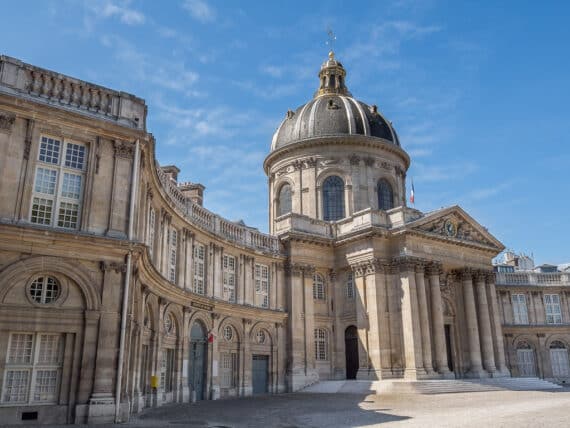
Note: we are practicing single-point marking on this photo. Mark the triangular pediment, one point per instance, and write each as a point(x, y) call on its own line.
point(455, 224)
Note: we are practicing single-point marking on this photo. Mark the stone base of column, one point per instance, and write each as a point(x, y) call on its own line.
point(138, 402)
point(446, 374)
point(184, 395)
point(502, 373)
point(101, 409)
point(215, 392)
point(297, 381)
point(477, 373)
point(415, 374)
point(373, 374)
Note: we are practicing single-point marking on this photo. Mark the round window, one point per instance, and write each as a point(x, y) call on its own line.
point(228, 333)
point(44, 289)
point(260, 336)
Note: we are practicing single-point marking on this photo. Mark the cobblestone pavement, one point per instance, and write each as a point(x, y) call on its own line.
point(482, 409)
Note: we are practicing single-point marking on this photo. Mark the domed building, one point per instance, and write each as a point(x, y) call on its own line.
point(376, 290)
point(119, 290)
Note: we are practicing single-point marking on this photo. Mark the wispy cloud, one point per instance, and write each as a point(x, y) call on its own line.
point(200, 10)
point(493, 190)
point(120, 10)
point(435, 173)
point(164, 73)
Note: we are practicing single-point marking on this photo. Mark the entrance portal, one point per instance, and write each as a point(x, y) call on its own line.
point(448, 347)
point(259, 369)
point(198, 351)
point(351, 351)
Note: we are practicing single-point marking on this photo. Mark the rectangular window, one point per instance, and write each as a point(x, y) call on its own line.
point(262, 284)
point(350, 286)
point(166, 368)
point(151, 224)
point(33, 368)
point(58, 184)
point(552, 307)
point(229, 277)
point(519, 309)
point(229, 369)
point(199, 257)
point(321, 344)
point(173, 249)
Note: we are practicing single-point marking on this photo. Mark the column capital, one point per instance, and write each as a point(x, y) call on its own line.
point(299, 268)
point(480, 276)
point(465, 274)
point(407, 263)
point(434, 268)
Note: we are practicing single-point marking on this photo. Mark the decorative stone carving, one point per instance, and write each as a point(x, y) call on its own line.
point(117, 267)
point(122, 149)
point(354, 160)
point(369, 161)
point(459, 229)
point(7, 120)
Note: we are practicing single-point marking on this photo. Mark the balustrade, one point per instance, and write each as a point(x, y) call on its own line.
point(533, 278)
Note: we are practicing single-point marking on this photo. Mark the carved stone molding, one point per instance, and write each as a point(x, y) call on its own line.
point(332, 275)
point(123, 149)
point(369, 161)
point(354, 160)
point(7, 120)
point(117, 267)
point(298, 268)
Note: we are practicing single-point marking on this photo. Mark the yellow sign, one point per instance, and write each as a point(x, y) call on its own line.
point(154, 381)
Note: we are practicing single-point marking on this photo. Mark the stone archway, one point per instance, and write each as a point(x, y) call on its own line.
point(198, 359)
point(351, 351)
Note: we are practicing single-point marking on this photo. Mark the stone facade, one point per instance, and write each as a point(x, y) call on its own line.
point(119, 290)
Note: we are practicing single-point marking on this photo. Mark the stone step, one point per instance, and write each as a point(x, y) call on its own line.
point(430, 386)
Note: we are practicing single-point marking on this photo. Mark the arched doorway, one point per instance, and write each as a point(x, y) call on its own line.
point(197, 363)
point(351, 351)
point(559, 359)
point(525, 360)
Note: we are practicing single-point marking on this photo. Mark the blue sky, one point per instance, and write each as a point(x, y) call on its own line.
point(478, 92)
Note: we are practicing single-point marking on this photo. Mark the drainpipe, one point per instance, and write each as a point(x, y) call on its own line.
point(134, 182)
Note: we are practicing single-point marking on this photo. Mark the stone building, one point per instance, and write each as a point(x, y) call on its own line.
point(535, 312)
point(119, 290)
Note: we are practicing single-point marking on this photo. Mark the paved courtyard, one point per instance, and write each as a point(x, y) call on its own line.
point(481, 409)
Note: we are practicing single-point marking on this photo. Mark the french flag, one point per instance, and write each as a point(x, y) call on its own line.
point(412, 199)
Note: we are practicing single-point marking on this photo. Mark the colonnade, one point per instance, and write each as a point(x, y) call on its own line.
point(400, 320)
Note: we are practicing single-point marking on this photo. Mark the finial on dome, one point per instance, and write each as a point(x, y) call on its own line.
point(331, 78)
point(331, 55)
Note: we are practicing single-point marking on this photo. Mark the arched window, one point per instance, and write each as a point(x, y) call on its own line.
point(321, 344)
point(319, 287)
point(559, 359)
point(333, 198)
point(284, 204)
point(525, 360)
point(385, 195)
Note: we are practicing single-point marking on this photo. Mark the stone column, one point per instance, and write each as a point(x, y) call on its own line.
point(485, 333)
point(394, 318)
point(499, 346)
point(476, 369)
point(424, 317)
point(411, 328)
point(213, 348)
point(338, 354)
point(362, 324)
point(441, 363)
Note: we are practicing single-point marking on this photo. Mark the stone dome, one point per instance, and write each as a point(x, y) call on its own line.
point(333, 112)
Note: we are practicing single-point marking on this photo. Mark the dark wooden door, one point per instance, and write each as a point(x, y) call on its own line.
point(259, 369)
point(351, 351)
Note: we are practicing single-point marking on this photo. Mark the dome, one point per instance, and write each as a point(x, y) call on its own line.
point(333, 112)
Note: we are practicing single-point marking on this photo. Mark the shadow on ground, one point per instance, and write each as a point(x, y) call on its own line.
point(277, 411)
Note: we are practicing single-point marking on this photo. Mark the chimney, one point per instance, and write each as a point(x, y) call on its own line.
point(193, 191)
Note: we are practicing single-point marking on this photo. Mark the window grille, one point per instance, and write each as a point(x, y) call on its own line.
point(261, 275)
point(385, 195)
point(44, 289)
point(32, 372)
point(199, 257)
point(333, 198)
point(552, 306)
point(166, 369)
point(229, 369)
point(520, 309)
point(319, 292)
point(58, 183)
point(229, 277)
point(321, 344)
point(173, 245)
point(284, 200)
